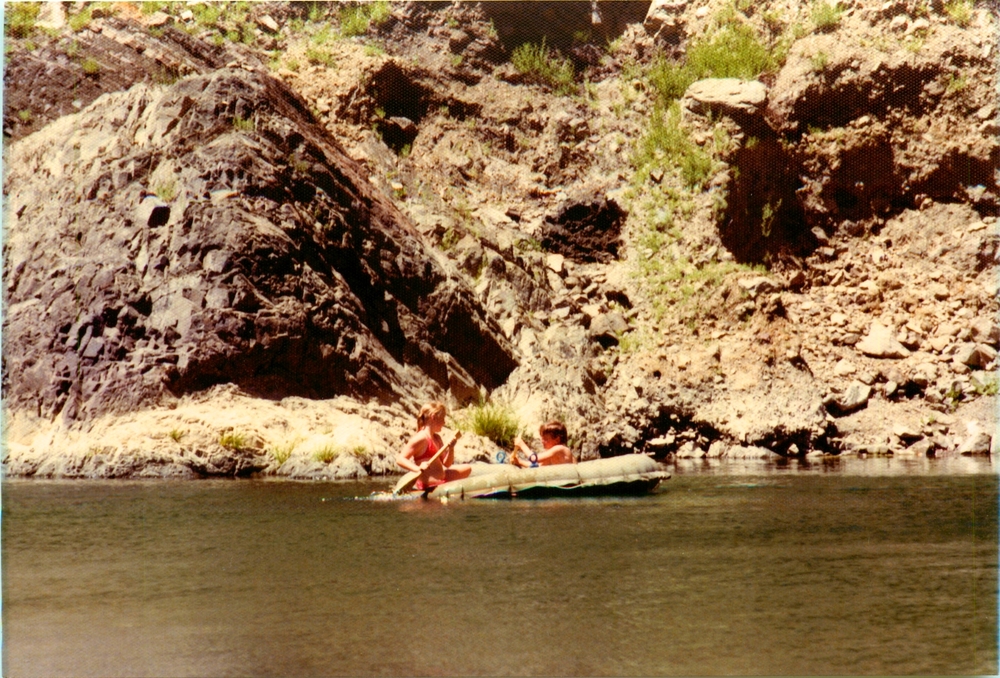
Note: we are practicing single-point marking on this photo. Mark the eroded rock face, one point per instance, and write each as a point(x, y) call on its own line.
point(265, 260)
point(880, 132)
point(851, 135)
point(51, 81)
point(587, 231)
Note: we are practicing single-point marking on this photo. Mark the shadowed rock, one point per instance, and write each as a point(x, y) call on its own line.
point(268, 261)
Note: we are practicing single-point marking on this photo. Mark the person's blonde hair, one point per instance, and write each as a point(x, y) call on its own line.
point(428, 412)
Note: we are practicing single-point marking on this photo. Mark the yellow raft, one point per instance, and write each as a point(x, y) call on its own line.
point(615, 476)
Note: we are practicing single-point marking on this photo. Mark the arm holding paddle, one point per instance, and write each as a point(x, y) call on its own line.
point(423, 475)
point(416, 448)
point(522, 447)
point(426, 457)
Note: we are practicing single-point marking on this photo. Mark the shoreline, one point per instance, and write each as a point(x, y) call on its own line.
point(228, 434)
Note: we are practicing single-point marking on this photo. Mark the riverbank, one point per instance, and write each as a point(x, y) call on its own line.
point(225, 433)
point(252, 242)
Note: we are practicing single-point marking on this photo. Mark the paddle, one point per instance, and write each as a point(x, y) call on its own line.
point(410, 479)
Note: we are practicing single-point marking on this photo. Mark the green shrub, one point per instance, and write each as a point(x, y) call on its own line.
point(20, 18)
point(986, 385)
point(494, 421)
point(826, 17)
point(207, 14)
point(153, 7)
point(354, 21)
point(954, 83)
point(536, 62)
point(166, 191)
point(26, 116)
point(819, 61)
point(90, 66)
point(244, 124)
point(176, 435)
point(379, 11)
point(667, 144)
point(322, 36)
point(80, 20)
point(319, 57)
point(960, 11)
point(669, 79)
point(733, 52)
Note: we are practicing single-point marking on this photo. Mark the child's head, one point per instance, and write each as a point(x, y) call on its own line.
point(554, 430)
point(429, 412)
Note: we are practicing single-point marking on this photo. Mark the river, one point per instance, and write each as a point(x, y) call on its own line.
point(871, 568)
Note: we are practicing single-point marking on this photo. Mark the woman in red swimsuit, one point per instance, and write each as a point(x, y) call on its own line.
point(424, 444)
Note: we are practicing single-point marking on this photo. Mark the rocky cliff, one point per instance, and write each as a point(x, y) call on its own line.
point(250, 242)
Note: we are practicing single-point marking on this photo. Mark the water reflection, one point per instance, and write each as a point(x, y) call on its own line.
point(880, 566)
point(844, 465)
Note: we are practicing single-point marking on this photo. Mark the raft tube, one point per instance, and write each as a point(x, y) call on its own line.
point(626, 475)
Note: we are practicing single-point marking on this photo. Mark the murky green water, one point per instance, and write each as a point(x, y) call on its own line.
point(748, 570)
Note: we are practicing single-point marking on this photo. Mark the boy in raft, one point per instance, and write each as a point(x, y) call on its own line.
point(424, 444)
point(553, 435)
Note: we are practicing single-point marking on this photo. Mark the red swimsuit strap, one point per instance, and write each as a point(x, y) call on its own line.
point(431, 450)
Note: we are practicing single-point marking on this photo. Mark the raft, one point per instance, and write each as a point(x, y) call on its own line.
point(629, 474)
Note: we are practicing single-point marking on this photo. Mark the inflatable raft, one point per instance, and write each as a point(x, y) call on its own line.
point(615, 476)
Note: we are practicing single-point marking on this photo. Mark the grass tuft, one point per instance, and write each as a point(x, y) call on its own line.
point(960, 11)
point(20, 18)
point(166, 191)
point(233, 440)
point(733, 52)
point(90, 66)
point(492, 420)
point(320, 57)
point(826, 17)
point(544, 67)
point(244, 124)
point(282, 453)
point(355, 21)
point(669, 79)
point(80, 20)
point(666, 144)
point(326, 454)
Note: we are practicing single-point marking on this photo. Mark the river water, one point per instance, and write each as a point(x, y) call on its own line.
point(879, 568)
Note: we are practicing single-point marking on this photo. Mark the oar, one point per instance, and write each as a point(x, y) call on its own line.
point(410, 479)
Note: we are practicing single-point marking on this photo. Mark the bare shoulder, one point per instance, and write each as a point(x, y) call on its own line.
point(418, 440)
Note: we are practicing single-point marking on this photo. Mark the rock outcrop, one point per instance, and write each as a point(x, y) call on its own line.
point(167, 239)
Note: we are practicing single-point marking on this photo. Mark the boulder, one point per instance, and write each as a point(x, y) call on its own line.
point(726, 96)
point(758, 285)
point(853, 398)
point(303, 280)
point(881, 342)
point(976, 356)
point(665, 18)
point(607, 328)
point(977, 441)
